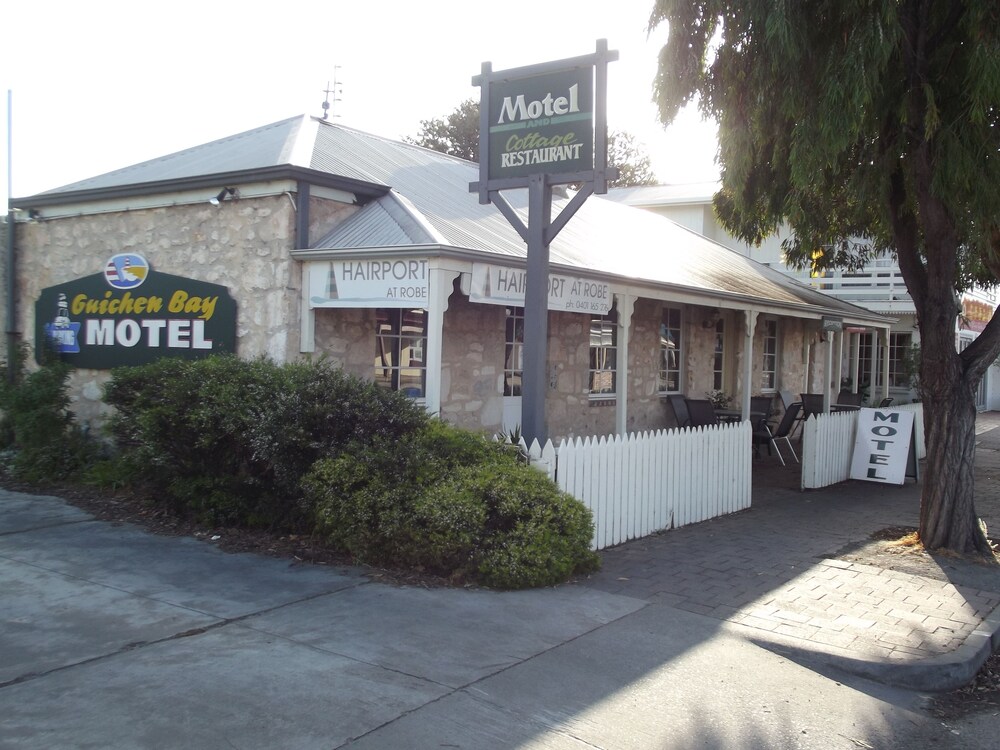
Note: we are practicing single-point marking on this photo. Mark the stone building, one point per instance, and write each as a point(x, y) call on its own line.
point(320, 240)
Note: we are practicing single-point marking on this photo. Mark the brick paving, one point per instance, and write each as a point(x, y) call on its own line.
point(775, 567)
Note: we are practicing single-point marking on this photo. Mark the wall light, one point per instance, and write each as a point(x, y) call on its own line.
point(223, 194)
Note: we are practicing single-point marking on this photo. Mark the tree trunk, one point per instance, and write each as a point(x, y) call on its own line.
point(947, 502)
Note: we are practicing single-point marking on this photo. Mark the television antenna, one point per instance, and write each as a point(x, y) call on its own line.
point(336, 91)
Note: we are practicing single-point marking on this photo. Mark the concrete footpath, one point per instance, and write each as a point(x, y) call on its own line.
point(722, 634)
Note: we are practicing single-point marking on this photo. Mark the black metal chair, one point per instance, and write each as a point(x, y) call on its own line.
point(787, 399)
point(679, 405)
point(885, 402)
point(846, 398)
point(812, 403)
point(701, 411)
point(764, 435)
point(761, 405)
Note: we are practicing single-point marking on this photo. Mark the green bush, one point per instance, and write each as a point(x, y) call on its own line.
point(38, 427)
point(230, 439)
point(534, 535)
point(448, 501)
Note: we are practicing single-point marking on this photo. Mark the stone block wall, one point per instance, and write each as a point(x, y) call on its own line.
point(243, 245)
point(472, 356)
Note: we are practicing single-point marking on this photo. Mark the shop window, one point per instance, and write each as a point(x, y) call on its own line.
point(668, 379)
point(513, 363)
point(899, 352)
point(769, 365)
point(400, 342)
point(603, 355)
point(719, 357)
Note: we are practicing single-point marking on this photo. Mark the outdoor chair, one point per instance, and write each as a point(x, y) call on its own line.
point(761, 405)
point(764, 435)
point(787, 399)
point(846, 398)
point(812, 403)
point(677, 403)
point(885, 402)
point(701, 412)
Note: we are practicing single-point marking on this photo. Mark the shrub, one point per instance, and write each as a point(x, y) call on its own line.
point(450, 502)
point(230, 439)
point(37, 425)
point(535, 535)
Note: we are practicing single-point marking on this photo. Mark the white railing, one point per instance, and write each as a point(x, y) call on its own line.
point(642, 483)
point(828, 441)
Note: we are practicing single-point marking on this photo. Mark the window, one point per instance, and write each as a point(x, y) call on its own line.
point(513, 363)
point(668, 379)
point(899, 351)
point(769, 366)
point(719, 358)
point(603, 355)
point(400, 340)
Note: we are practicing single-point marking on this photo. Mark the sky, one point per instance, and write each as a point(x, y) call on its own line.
point(100, 85)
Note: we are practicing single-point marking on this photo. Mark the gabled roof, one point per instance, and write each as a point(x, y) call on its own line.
point(665, 195)
point(417, 197)
point(272, 145)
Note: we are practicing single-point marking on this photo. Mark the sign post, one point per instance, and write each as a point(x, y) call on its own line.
point(539, 126)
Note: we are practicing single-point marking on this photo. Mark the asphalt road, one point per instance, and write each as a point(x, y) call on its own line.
point(114, 638)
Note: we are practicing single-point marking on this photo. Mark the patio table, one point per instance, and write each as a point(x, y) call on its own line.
point(735, 415)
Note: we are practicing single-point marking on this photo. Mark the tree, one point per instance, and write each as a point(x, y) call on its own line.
point(633, 163)
point(458, 135)
point(870, 127)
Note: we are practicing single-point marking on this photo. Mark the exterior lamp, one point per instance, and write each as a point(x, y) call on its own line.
point(223, 194)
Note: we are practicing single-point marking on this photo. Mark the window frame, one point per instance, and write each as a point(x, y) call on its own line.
point(719, 356)
point(663, 372)
point(603, 353)
point(773, 336)
point(513, 352)
point(391, 372)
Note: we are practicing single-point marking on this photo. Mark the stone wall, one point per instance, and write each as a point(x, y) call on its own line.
point(242, 244)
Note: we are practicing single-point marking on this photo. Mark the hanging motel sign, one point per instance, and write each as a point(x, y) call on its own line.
point(544, 119)
point(539, 126)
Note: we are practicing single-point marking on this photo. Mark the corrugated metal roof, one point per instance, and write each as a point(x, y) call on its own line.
point(388, 221)
point(268, 146)
point(430, 203)
point(659, 195)
point(604, 237)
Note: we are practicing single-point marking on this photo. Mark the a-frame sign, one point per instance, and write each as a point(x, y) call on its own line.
point(539, 126)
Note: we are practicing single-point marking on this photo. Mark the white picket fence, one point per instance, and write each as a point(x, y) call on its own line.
point(828, 441)
point(646, 482)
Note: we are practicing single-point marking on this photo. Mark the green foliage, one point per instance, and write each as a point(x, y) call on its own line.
point(450, 502)
point(719, 399)
point(628, 156)
point(38, 426)
point(455, 135)
point(229, 439)
point(869, 127)
point(831, 120)
point(534, 534)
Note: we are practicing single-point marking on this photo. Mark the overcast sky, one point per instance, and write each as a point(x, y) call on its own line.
point(103, 84)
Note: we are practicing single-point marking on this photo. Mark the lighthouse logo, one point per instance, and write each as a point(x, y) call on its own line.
point(126, 271)
point(62, 332)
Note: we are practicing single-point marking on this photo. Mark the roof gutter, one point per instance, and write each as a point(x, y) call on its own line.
point(685, 294)
point(366, 190)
